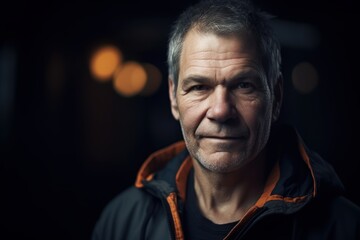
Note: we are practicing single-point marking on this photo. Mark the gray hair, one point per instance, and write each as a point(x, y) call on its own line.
point(226, 17)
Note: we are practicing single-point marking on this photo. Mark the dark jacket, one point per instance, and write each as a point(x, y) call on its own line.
point(301, 200)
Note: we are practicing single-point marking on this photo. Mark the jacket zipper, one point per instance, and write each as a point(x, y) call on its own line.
point(169, 218)
point(161, 194)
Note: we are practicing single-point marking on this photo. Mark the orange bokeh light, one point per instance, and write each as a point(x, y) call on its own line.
point(104, 62)
point(154, 78)
point(130, 79)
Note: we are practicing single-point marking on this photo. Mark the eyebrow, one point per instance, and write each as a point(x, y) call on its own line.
point(195, 79)
point(202, 79)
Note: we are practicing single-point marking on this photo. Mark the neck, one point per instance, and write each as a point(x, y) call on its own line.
point(226, 197)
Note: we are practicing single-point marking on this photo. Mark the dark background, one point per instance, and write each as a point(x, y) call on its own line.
point(67, 150)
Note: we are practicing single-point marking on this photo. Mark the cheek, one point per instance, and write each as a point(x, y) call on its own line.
point(258, 120)
point(190, 115)
point(257, 114)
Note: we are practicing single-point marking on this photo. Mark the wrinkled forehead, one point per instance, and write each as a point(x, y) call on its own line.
point(219, 57)
point(221, 50)
point(200, 41)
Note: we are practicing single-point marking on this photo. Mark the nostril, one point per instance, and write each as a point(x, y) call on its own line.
point(221, 112)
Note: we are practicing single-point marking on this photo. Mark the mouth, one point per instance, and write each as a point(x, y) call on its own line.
point(224, 138)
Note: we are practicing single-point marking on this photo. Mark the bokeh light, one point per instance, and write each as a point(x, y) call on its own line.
point(104, 62)
point(154, 78)
point(305, 77)
point(130, 79)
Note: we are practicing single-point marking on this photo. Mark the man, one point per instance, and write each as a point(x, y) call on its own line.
point(237, 175)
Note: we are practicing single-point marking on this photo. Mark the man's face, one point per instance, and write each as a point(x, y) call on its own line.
point(222, 100)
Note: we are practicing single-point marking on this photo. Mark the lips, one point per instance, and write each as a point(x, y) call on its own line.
point(224, 137)
point(222, 133)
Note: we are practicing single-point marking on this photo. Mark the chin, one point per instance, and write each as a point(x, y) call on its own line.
point(221, 162)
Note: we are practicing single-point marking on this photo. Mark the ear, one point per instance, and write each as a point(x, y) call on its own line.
point(173, 101)
point(278, 98)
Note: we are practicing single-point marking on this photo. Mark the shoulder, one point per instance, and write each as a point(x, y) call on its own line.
point(125, 215)
point(129, 199)
point(131, 203)
point(344, 210)
point(337, 208)
point(332, 216)
point(344, 217)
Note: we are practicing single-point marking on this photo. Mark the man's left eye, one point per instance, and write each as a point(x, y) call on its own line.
point(244, 85)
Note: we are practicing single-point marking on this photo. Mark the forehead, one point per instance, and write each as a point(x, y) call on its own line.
point(211, 54)
point(199, 45)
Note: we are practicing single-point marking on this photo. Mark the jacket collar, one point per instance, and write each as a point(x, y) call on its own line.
point(296, 175)
point(169, 166)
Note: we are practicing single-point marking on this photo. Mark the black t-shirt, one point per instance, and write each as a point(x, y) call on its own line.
point(196, 226)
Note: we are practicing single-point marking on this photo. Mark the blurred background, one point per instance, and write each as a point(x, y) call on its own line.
point(83, 101)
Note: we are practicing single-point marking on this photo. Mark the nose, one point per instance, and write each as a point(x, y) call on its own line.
point(221, 107)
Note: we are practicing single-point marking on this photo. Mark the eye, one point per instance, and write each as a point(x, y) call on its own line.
point(244, 85)
point(199, 88)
